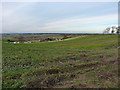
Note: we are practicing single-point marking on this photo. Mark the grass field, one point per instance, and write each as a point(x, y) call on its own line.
point(81, 62)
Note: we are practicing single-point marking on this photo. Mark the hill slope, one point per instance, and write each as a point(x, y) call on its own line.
point(82, 62)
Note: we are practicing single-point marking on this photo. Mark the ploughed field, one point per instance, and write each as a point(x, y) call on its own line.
point(89, 61)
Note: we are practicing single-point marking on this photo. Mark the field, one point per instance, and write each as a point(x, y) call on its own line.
point(88, 61)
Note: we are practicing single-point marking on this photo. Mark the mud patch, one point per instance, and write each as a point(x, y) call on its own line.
point(53, 71)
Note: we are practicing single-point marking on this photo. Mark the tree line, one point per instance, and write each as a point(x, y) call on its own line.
point(112, 30)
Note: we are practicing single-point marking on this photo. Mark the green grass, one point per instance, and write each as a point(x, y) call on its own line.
point(106, 67)
point(60, 61)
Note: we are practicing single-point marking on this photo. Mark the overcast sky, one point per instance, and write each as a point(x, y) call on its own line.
point(58, 17)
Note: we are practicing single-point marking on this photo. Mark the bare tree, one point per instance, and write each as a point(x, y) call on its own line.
point(112, 31)
point(107, 30)
point(118, 30)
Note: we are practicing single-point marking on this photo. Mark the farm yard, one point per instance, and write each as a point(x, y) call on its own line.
point(88, 61)
point(35, 37)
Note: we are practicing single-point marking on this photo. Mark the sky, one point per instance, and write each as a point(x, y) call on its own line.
point(58, 17)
